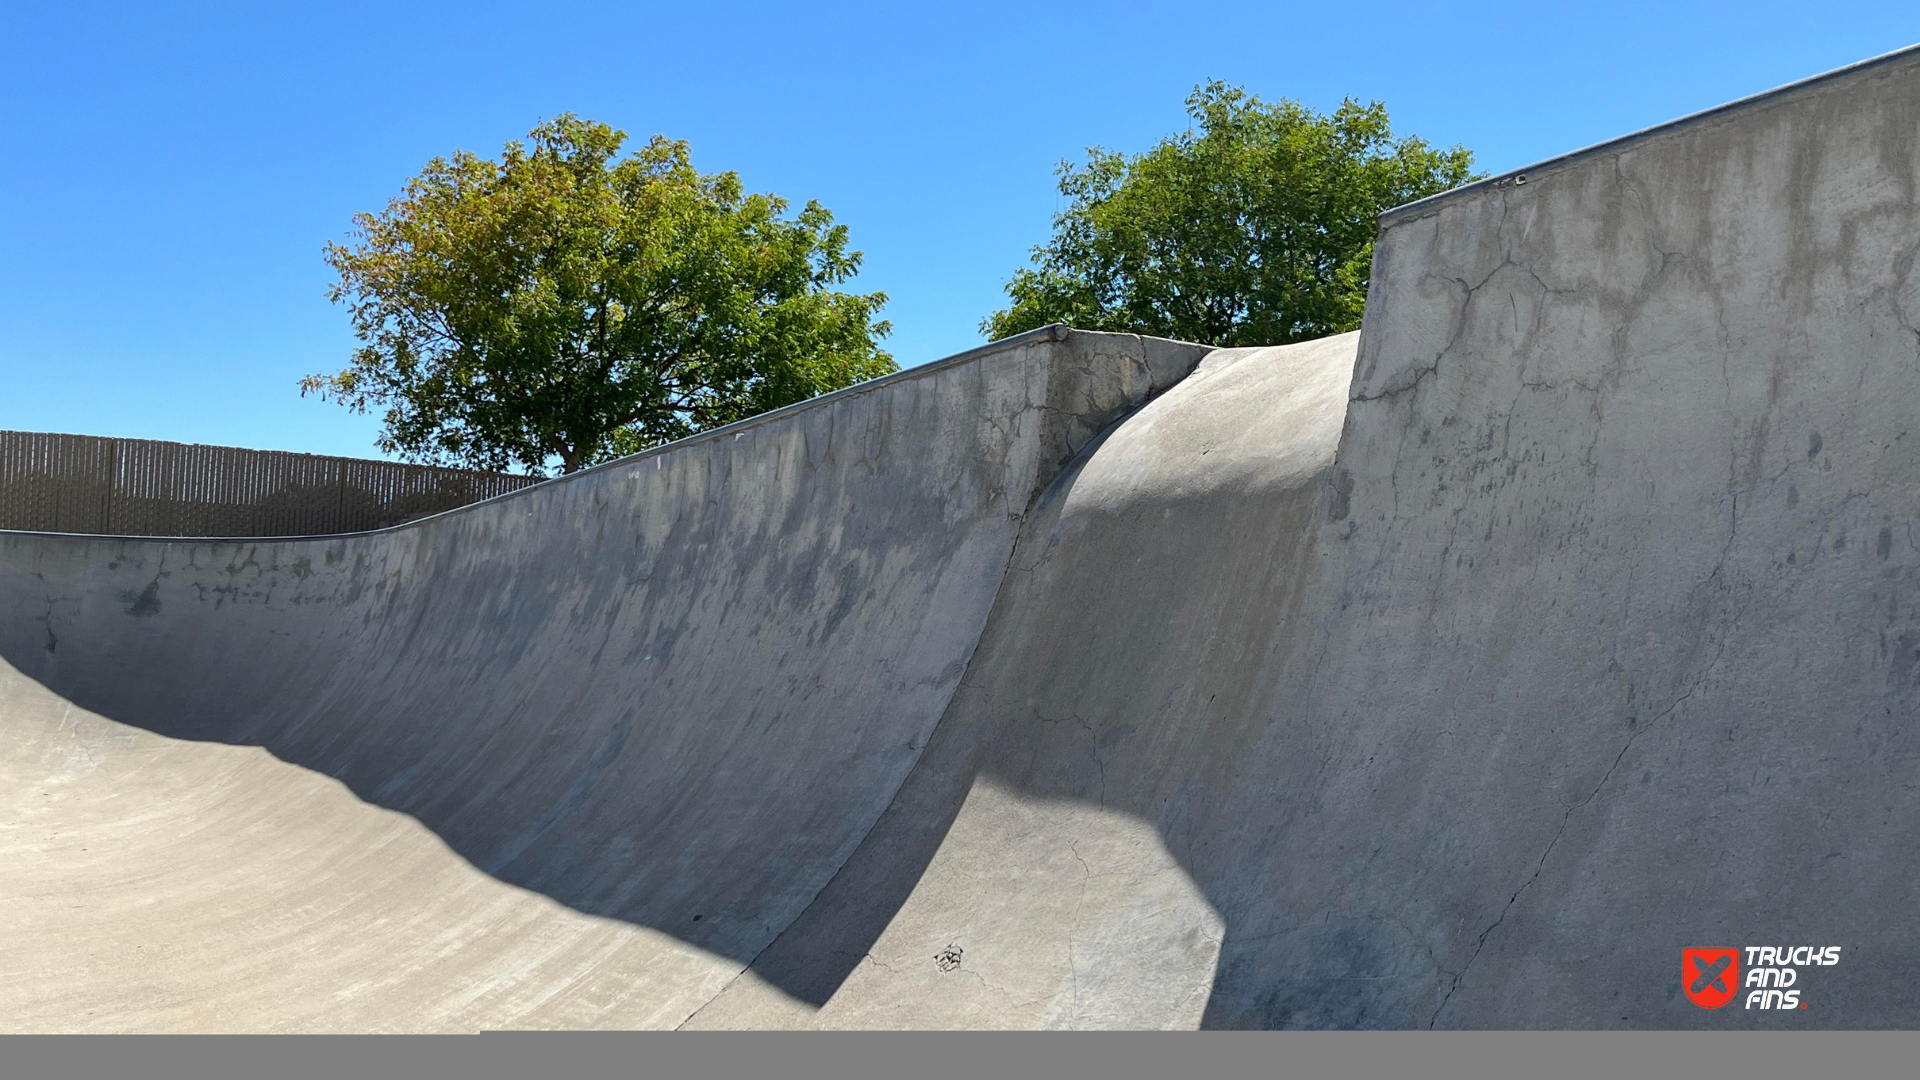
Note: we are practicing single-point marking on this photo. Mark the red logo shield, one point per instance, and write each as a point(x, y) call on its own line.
point(1710, 976)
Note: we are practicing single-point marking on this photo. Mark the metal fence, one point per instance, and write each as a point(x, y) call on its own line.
point(140, 487)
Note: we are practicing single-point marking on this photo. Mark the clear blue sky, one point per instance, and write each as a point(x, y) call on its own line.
point(171, 171)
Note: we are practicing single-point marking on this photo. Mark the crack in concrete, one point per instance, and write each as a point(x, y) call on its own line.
point(1073, 930)
point(1459, 328)
point(1541, 866)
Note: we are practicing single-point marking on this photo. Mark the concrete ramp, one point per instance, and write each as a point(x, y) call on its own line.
point(1048, 835)
point(570, 757)
point(1458, 673)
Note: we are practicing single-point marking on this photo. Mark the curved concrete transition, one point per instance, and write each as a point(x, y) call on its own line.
point(1457, 673)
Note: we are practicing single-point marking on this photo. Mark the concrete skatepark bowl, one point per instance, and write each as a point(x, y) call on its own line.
point(1454, 673)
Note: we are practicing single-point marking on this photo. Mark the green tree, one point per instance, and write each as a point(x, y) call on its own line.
point(567, 302)
point(1254, 227)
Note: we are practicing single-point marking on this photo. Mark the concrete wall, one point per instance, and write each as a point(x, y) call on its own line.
point(1597, 637)
point(673, 692)
point(1628, 461)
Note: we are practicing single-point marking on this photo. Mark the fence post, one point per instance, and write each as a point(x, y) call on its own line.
point(113, 480)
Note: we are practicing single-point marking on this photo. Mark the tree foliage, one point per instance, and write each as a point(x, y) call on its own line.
point(1254, 227)
point(568, 302)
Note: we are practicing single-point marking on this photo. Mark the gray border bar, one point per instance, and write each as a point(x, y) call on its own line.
point(972, 1055)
